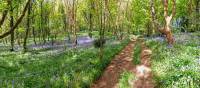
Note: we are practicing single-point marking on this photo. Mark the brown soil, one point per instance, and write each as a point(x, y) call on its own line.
point(123, 61)
point(143, 71)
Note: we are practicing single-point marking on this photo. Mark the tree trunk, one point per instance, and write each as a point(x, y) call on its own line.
point(33, 27)
point(101, 31)
point(11, 25)
point(197, 14)
point(74, 9)
point(153, 16)
point(42, 23)
point(34, 35)
point(28, 28)
point(91, 18)
point(167, 30)
point(18, 38)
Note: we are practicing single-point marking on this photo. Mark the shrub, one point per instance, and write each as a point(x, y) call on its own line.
point(99, 43)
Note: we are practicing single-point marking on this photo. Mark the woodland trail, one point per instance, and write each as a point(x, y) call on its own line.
point(143, 71)
point(122, 62)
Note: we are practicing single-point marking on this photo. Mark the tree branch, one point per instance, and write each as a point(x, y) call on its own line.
point(173, 8)
point(17, 23)
point(3, 17)
point(166, 8)
point(5, 13)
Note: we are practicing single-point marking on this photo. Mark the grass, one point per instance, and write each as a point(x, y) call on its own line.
point(72, 69)
point(177, 67)
point(126, 80)
point(136, 55)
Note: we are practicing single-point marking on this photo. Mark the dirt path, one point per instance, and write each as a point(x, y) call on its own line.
point(143, 71)
point(122, 61)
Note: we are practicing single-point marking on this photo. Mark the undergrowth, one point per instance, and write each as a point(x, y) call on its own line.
point(126, 80)
point(136, 54)
point(176, 67)
point(72, 69)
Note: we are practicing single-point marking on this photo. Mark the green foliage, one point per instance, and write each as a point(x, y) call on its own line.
point(73, 69)
point(99, 43)
point(141, 15)
point(3, 5)
point(21, 30)
point(176, 67)
point(136, 55)
point(126, 80)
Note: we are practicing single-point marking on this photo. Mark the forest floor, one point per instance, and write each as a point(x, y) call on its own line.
point(177, 66)
point(72, 68)
point(122, 62)
point(172, 67)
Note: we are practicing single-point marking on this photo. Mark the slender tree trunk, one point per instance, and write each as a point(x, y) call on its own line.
point(118, 20)
point(64, 18)
point(33, 27)
point(67, 19)
point(197, 14)
point(101, 31)
point(69, 27)
point(91, 18)
point(11, 25)
point(6, 40)
point(34, 35)
point(189, 18)
point(74, 9)
point(18, 38)
point(153, 16)
point(28, 28)
point(103, 25)
point(90, 29)
point(42, 23)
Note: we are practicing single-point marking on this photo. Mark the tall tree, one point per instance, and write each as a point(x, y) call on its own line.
point(91, 9)
point(66, 18)
point(11, 25)
point(167, 29)
point(27, 28)
point(33, 21)
point(101, 28)
point(197, 14)
point(153, 15)
point(73, 18)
